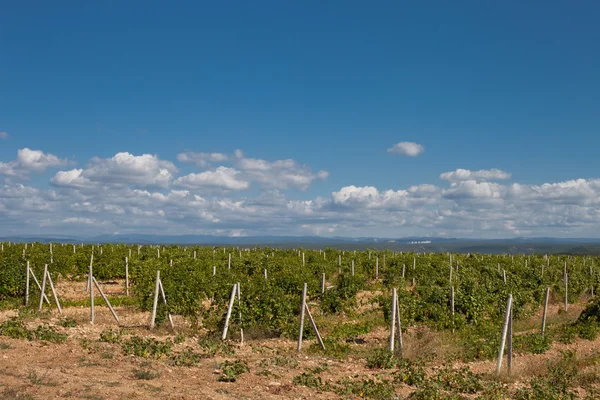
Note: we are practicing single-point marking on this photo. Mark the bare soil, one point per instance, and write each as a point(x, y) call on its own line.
point(84, 368)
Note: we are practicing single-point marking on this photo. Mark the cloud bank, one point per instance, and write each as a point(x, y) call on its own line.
point(232, 194)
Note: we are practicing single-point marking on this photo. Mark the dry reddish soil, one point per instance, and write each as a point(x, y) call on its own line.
point(84, 368)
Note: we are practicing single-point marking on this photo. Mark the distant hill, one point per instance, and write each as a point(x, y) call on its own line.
point(545, 245)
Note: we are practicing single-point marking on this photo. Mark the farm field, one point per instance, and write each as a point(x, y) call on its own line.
point(443, 355)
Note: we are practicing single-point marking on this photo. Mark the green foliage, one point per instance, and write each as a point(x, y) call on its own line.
point(409, 372)
point(459, 380)
point(308, 379)
point(371, 388)
point(147, 347)
point(531, 343)
point(231, 370)
point(351, 331)
point(67, 322)
point(381, 359)
point(555, 384)
point(110, 336)
point(187, 358)
point(145, 374)
point(213, 347)
point(16, 329)
point(333, 348)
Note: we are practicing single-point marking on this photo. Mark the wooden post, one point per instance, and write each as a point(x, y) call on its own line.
point(303, 260)
point(323, 283)
point(510, 343)
point(302, 312)
point(352, 267)
point(315, 329)
point(229, 309)
point(545, 310)
point(403, 270)
point(239, 298)
point(451, 269)
point(214, 270)
point(27, 285)
point(54, 293)
point(155, 301)
point(393, 324)
point(504, 334)
point(229, 262)
point(162, 292)
point(43, 287)
point(266, 274)
point(110, 307)
point(452, 305)
point(126, 276)
point(566, 292)
point(399, 324)
point(89, 282)
point(504, 275)
point(38, 285)
point(377, 268)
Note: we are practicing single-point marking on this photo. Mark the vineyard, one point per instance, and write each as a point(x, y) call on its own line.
point(166, 337)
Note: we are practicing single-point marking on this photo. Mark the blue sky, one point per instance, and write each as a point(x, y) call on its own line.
point(481, 86)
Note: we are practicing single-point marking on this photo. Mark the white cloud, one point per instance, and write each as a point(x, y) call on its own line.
point(201, 159)
point(4, 136)
point(37, 160)
point(408, 149)
point(122, 169)
point(30, 161)
point(77, 221)
point(72, 178)
point(483, 174)
point(279, 174)
point(222, 178)
point(128, 193)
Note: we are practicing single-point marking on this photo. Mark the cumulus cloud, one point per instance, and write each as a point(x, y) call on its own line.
point(31, 161)
point(122, 169)
point(222, 178)
point(483, 174)
point(4, 136)
point(279, 174)
point(143, 193)
point(408, 149)
point(201, 159)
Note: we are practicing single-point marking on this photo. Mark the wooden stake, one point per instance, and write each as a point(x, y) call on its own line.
point(566, 292)
point(545, 310)
point(126, 276)
point(38, 285)
point(302, 312)
point(314, 326)
point(162, 292)
point(106, 300)
point(452, 305)
point(155, 302)
point(399, 325)
point(239, 298)
point(229, 309)
point(54, 293)
point(27, 285)
point(504, 334)
point(393, 324)
point(43, 288)
point(510, 343)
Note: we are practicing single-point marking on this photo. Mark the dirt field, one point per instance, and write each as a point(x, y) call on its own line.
point(84, 367)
